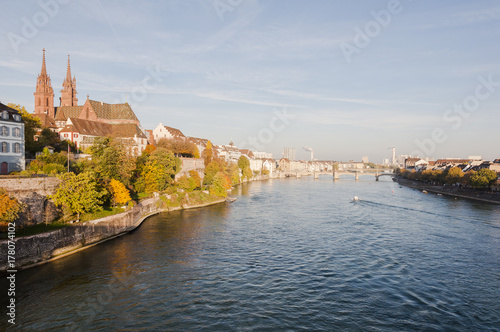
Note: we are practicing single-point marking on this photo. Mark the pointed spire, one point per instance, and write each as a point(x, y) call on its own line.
point(68, 72)
point(44, 69)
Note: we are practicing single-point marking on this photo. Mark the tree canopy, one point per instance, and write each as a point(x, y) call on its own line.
point(79, 193)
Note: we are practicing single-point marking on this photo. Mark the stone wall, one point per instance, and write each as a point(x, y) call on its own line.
point(33, 193)
point(188, 164)
point(43, 247)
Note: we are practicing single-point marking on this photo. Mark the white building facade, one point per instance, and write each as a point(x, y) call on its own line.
point(12, 146)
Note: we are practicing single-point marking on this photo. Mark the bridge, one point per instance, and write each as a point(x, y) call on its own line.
point(336, 174)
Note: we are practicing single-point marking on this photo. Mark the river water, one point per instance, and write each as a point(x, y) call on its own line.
point(287, 255)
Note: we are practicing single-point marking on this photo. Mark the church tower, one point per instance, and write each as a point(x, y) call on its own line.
point(68, 92)
point(44, 94)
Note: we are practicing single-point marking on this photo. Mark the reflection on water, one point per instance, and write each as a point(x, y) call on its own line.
point(288, 254)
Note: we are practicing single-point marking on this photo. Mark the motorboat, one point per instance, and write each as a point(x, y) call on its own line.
point(355, 199)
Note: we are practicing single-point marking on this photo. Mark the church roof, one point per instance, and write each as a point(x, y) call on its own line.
point(94, 128)
point(128, 130)
point(45, 120)
point(65, 112)
point(113, 111)
point(87, 127)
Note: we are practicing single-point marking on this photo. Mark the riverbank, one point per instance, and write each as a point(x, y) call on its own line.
point(477, 195)
point(46, 247)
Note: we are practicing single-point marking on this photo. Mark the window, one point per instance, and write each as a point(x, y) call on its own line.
point(17, 148)
point(5, 115)
point(66, 135)
point(76, 135)
point(5, 147)
point(17, 132)
point(4, 131)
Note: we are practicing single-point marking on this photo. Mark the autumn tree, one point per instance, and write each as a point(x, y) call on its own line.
point(121, 195)
point(234, 173)
point(9, 208)
point(208, 153)
point(179, 147)
point(220, 185)
point(210, 171)
point(79, 193)
point(454, 175)
point(158, 173)
point(196, 178)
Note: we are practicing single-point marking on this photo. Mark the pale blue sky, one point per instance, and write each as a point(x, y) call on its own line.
point(225, 67)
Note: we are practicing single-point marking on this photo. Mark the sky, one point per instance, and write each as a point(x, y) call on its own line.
point(347, 78)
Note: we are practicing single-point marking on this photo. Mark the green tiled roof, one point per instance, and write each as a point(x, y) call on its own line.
point(113, 111)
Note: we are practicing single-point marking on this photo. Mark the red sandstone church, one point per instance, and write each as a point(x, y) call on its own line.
point(81, 124)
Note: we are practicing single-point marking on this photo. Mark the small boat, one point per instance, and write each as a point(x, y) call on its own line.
point(355, 199)
point(424, 191)
point(440, 194)
point(230, 199)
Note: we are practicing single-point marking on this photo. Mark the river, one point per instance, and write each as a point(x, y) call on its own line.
point(287, 255)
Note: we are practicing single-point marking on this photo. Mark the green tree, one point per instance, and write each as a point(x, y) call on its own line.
point(111, 160)
point(247, 173)
point(210, 171)
point(171, 163)
point(79, 193)
point(243, 162)
point(483, 178)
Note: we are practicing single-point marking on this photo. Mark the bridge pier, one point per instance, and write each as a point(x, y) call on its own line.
point(336, 176)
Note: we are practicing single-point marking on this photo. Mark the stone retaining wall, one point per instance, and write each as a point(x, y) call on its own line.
point(43, 247)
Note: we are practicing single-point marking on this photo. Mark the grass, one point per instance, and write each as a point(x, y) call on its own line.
point(37, 229)
point(105, 212)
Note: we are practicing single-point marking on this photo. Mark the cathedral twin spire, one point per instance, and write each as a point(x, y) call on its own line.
point(44, 94)
point(68, 93)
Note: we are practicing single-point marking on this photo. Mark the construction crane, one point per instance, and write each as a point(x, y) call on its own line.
point(307, 148)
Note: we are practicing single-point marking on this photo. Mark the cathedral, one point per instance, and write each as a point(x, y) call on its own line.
point(82, 123)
